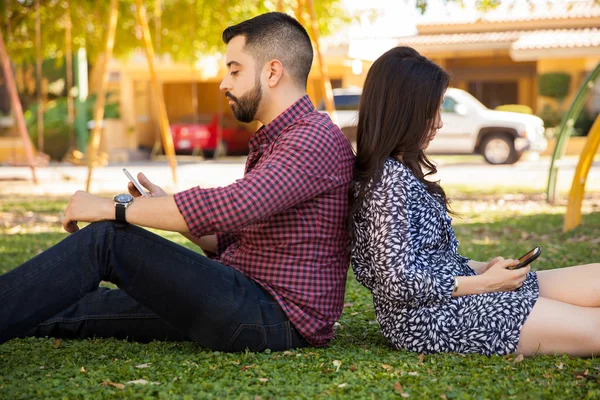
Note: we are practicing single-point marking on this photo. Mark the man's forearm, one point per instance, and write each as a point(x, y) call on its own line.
point(155, 212)
point(206, 243)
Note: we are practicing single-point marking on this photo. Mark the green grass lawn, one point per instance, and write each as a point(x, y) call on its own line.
point(357, 364)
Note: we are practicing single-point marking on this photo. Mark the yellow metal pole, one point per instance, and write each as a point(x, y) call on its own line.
point(162, 111)
point(573, 214)
point(16, 106)
point(314, 28)
point(101, 95)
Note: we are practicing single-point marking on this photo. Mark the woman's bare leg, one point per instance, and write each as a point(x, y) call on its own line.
point(578, 285)
point(557, 327)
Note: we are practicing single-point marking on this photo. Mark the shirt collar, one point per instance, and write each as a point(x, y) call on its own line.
point(271, 131)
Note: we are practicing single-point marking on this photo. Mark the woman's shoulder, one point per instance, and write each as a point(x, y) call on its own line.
point(398, 172)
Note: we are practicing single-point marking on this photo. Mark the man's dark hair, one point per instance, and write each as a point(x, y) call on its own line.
point(278, 36)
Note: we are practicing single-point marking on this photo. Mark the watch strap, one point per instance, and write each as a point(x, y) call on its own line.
point(120, 212)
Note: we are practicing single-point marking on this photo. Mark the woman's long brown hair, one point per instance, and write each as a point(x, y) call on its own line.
point(398, 107)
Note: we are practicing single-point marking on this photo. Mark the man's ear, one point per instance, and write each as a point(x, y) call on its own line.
point(274, 72)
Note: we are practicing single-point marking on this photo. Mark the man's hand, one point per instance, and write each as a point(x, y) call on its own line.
point(153, 190)
point(88, 208)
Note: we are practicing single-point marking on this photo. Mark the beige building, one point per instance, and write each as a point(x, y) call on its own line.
point(497, 56)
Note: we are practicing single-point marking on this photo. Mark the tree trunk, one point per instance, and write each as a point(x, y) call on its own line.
point(69, 56)
point(101, 95)
point(163, 120)
point(40, 84)
point(16, 106)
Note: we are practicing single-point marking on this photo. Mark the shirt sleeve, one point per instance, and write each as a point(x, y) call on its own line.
point(302, 165)
point(386, 256)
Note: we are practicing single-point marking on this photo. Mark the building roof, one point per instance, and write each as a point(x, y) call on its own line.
point(462, 38)
point(558, 38)
point(536, 39)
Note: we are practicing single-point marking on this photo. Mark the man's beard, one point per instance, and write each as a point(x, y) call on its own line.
point(244, 108)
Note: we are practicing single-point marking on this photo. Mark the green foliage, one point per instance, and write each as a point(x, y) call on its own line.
point(553, 117)
point(518, 108)
point(584, 123)
point(554, 84)
point(480, 5)
point(357, 365)
point(56, 129)
point(188, 28)
point(550, 116)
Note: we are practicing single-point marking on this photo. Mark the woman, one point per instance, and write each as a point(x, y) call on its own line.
point(428, 298)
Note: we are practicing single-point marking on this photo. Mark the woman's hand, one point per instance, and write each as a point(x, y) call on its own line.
point(153, 190)
point(480, 267)
point(499, 278)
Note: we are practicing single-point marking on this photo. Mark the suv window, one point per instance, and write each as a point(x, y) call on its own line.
point(343, 102)
point(346, 101)
point(449, 105)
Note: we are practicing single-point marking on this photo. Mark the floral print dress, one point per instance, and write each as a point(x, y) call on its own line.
point(406, 254)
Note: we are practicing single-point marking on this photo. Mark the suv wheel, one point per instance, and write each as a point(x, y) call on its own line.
point(499, 149)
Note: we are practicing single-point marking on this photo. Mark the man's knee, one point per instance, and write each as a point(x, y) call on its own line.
point(105, 226)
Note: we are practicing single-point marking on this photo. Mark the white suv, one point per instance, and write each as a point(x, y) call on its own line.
point(469, 127)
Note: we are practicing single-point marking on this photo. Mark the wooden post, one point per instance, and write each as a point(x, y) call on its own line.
point(16, 106)
point(101, 95)
point(157, 23)
point(314, 28)
point(162, 111)
point(69, 56)
point(38, 75)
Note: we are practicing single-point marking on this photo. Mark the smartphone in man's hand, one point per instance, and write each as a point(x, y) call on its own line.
point(135, 183)
point(528, 257)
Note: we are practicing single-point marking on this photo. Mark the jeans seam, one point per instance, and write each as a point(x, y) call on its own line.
point(97, 318)
point(258, 327)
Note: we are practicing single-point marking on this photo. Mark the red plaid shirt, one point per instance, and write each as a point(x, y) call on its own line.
point(282, 225)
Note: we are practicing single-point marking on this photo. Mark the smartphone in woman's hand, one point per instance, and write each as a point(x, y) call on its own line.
point(528, 257)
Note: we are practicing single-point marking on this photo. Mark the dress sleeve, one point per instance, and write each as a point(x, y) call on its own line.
point(387, 253)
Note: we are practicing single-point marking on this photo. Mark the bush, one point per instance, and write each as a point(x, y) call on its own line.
point(56, 128)
point(555, 85)
point(518, 108)
point(550, 116)
point(552, 119)
point(584, 123)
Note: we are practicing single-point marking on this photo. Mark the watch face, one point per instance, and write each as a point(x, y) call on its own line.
point(123, 198)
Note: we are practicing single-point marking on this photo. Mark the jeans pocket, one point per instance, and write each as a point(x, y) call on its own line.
point(248, 336)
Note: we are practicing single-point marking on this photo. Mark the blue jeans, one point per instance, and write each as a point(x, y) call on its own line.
point(166, 292)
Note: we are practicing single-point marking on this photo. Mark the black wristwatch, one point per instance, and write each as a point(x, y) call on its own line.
point(122, 201)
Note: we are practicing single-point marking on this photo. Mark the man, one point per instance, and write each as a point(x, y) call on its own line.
point(276, 238)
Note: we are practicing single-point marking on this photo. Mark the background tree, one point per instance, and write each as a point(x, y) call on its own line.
point(205, 19)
